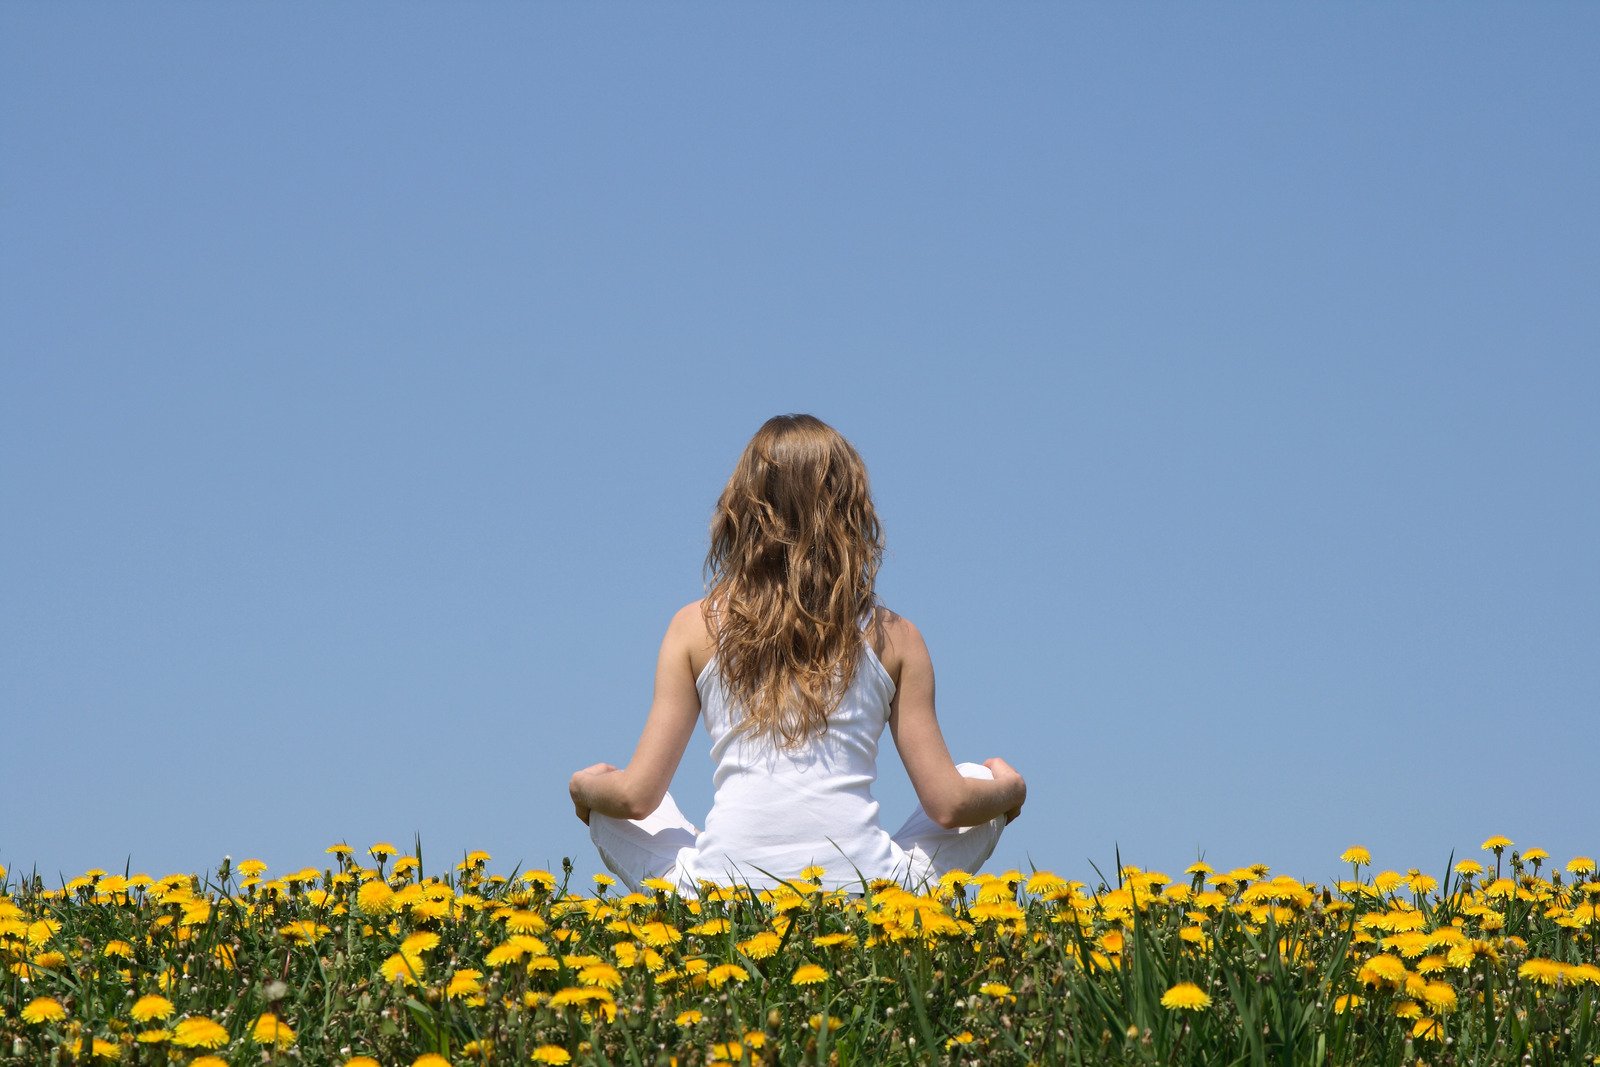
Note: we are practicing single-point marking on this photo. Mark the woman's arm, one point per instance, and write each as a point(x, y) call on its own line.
point(950, 799)
point(634, 791)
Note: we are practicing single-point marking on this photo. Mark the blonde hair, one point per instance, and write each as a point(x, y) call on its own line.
point(795, 550)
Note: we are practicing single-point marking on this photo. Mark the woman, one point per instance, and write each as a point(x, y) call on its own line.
point(796, 669)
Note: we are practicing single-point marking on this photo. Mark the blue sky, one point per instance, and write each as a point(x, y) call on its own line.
point(1227, 377)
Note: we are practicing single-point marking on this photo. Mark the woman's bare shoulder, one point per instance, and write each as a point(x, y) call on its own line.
point(893, 638)
point(690, 631)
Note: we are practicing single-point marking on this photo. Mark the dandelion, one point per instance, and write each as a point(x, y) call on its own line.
point(808, 974)
point(43, 1010)
point(963, 1038)
point(150, 1006)
point(688, 1018)
point(718, 976)
point(761, 945)
point(1357, 855)
point(551, 1054)
point(1185, 996)
point(430, 1059)
point(269, 1030)
point(361, 1061)
point(1428, 1030)
point(208, 1061)
point(523, 921)
point(1545, 972)
point(381, 851)
point(199, 1032)
point(1580, 865)
point(1439, 996)
point(1347, 1002)
point(1496, 844)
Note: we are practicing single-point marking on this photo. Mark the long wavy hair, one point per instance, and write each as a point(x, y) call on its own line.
point(795, 550)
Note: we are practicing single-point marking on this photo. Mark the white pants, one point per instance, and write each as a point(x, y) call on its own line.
point(636, 849)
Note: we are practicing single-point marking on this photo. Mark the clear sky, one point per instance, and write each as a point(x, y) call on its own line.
point(1228, 376)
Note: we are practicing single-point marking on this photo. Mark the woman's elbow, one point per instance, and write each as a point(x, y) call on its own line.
point(945, 817)
point(640, 806)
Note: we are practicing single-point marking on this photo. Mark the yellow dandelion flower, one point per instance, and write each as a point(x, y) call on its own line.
point(381, 851)
point(421, 942)
point(997, 990)
point(963, 1038)
point(578, 995)
point(153, 1037)
point(600, 974)
point(718, 976)
point(1496, 844)
point(710, 928)
point(1185, 996)
point(1470, 867)
point(361, 1061)
point(523, 921)
point(542, 879)
point(150, 1006)
point(1357, 855)
point(199, 1032)
point(551, 1054)
point(832, 940)
point(430, 1059)
point(761, 946)
point(270, 1030)
point(1439, 996)
point(660, 885)
point(727, 1051)
point(208, 1061)
point(1580, 865)
point(688, 1018)
point(813, 873)
point(1382, 969)
point(808, 974)
point(659, 934)
point(1428, 1030)
point(604, 881)
point(251, 868)
point(1545, 972)
point(1408, 1009)
point(1346, 1003)
point(375, 897)
point(401, 968)
point(43, 1010)
point(95, 1048)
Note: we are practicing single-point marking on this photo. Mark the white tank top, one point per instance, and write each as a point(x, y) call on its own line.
point(776, 812)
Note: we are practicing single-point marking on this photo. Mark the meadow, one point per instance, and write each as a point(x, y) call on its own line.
point(368, 958)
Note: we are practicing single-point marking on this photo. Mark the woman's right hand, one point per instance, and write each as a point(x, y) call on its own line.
point(1004, 772)
point(580, 802)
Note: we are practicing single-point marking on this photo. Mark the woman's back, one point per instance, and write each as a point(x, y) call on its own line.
point(778, 810)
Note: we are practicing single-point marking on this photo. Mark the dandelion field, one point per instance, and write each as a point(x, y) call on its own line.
point(368, 960)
